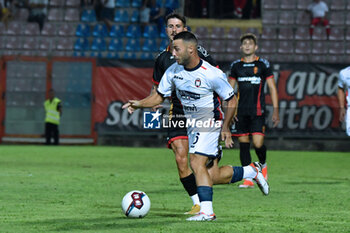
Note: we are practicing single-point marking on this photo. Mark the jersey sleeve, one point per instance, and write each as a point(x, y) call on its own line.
point(203, 53)
point(340, 80)
point(221, 86)
point(233, 74)
point(157, 71)
point(267, 71)
point(165, 86)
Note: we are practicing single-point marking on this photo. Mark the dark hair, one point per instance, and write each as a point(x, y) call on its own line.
point(249, 36)
point(186, 36)
point(177, 16)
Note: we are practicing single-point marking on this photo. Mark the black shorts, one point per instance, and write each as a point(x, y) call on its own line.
point(248, 125)
point(175, 133)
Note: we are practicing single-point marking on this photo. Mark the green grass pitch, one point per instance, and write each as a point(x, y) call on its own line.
point(79, 189)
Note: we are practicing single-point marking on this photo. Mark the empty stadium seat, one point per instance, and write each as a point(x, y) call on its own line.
point(233, 46)
point(55, 14)
point(134, 18)
point(267, 46)
point(303, 4)
point(234, 33)
point(88, 15)
point(302, 47)
point(122, 3)
point(49, 29)
point(337, 4)
point(147, 56)
point(30, 43)
point(66, 30)
point(98, 44)
point(150, 31)
point(255, 31)
point(163, 44)
point(336, 48)
point(337, 18)
point(301, 58)
point(136, 3)
point(218, 33)
point(337, 34)
point(121, 16)
point(100, 30)
point(129, 55)
point(45, 43)
point(150, 45)
point(286, 18)
point(133, 45)
point(287, 5)
point(319, 47)
point(202, 32)
point(14, 28)
point(65, 44)
point(13, 42)
point(73, 3)
point(82, 30)
point(112, 55)
point(162, 33)
point(319, 33)
point(318, 59)
point(72, 15)
point(56, 3)
point(116, 44)
point(302, 18)
point(31, 29)
point(217, 46)
point(116, 31)
point(81, 44)
point(270, 17)
point(269, 33)
point(285, 47)
point(285, 33)
point(302, 33)
point(271, 4)
point(22, 14)
point(133, 31)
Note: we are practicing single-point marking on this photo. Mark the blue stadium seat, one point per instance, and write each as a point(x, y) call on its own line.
point(81, 44)
point(163, 44)
point(133, 31)
point(98, 44)
point(147, 56)
point(116, 44)
point(112, 55)
point(100, 30)
point(116, 31)
point(150, 31)
point(79, 54)
point(121, 16)
point(95, 54)
point(82, 30)
point(133, 45)
point(129, 55)
point(135, 16)
point(122, 3)
point(136, 3)
point(88, 15)
point(150, 45)
point(162, 33)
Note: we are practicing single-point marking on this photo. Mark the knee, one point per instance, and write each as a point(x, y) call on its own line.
point(181, 159)
point(258, 145)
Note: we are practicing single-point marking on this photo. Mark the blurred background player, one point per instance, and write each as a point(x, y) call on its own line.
point(203, 142)
point(250, 73)
point(53, 110)
point(177, 137)
point(318, 10)
point(343, 95)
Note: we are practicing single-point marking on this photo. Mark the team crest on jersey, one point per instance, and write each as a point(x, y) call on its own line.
point(255, 69)
point(197, 82)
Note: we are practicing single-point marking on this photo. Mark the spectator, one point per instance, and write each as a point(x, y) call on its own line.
point(38, 12)
point(107, 12)
point(152, 12)
point(318, 10)
point(239, 6)
point(5, 12)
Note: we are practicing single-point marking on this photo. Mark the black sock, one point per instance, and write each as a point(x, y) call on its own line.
point(189, 183)
point(244, 153)
point(261, 153)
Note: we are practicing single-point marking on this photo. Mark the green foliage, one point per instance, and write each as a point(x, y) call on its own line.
point(79, 189)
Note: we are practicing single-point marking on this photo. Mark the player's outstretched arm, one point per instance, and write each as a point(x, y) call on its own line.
point(225, 132)
point(341, 100)
point(274, 98)
point(147, 102)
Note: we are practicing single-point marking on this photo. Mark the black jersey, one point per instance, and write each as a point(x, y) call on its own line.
point(164, 60)
point(251, 78)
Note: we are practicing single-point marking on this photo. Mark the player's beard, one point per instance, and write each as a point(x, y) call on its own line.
point(184, 61)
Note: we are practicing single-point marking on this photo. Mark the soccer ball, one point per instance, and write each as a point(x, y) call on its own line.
point(136, 204)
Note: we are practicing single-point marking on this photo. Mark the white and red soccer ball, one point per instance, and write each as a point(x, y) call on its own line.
point(136, 204)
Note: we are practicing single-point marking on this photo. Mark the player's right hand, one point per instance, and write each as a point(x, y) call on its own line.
point(342, 114)
point(132, 105)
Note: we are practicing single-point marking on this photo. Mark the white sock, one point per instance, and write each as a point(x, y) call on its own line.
point(249, 172)
point(195, 199)
point(207, 207)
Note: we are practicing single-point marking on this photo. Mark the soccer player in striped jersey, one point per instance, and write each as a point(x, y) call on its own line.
point(250, 74)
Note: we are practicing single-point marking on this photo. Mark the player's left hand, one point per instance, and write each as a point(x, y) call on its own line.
point(275, 119)
point(226, 136)
point(132, 105)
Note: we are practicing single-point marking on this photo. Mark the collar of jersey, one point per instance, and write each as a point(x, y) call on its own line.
point(196, 67)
